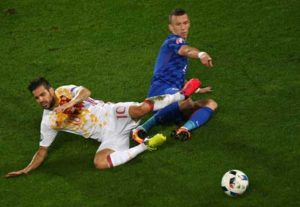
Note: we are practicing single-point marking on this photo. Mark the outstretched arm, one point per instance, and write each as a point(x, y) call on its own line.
point(82, 94)
point(36, 161)
point(192, 52)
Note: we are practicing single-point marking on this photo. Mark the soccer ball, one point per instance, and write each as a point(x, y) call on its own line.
point(234, 183)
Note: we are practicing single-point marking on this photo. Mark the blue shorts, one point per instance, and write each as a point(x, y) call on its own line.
point(157, 90)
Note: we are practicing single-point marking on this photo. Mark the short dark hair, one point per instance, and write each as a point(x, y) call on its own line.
point(41, 81)
point(176, 12)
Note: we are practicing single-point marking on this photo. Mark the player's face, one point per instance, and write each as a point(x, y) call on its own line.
point(44, 97)
point(180, 25)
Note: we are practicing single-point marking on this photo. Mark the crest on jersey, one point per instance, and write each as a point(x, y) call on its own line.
point(179, 40)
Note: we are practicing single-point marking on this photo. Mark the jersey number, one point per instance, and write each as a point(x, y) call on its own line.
point(120, 110)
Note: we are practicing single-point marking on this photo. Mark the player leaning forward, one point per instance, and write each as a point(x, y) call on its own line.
point(70, 108)
point(169, 77)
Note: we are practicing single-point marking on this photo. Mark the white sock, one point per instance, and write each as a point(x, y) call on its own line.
point(121, 157)
point(162, 101)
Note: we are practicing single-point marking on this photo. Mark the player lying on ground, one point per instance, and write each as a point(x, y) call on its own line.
point(169, 77)
point(70, 108)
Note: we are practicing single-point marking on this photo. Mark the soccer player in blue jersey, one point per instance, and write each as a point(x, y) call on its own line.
point(169, 77)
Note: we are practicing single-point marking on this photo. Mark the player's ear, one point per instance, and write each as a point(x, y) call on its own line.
point(171, 28)
point(51, 90)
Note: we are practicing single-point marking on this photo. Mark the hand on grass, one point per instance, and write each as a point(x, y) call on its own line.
point(16, 173)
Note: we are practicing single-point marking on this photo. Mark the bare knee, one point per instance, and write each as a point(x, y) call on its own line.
point(101, 159)
point(211, 104)
point(100, 165)
point(186, 104)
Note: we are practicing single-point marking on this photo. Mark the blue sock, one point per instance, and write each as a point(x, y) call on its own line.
point(198, 118)
point(147, 125)
point(169, 114)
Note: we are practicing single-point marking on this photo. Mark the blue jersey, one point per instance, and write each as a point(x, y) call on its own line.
point(170, 67)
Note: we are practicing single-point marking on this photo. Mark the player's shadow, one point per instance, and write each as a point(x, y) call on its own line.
point(70, 153)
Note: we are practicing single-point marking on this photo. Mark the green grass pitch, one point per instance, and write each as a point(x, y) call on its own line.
point(110, 47)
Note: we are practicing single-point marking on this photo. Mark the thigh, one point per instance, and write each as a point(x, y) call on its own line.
point(123, 122)
point(114, 142)
point(117, 136)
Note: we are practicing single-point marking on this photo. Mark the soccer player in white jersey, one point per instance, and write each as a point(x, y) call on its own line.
point(70, 108)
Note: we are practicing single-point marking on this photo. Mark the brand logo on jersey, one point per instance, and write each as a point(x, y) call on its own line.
point(184, 69)
point(179, 40)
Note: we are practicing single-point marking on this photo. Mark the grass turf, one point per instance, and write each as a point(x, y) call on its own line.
point(110, 47)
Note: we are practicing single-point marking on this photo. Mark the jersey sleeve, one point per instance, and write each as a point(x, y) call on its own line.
point(175, 44)
point(47, 134)
point(68, 91)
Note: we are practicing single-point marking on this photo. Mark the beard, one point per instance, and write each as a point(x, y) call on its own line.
point(51, 104)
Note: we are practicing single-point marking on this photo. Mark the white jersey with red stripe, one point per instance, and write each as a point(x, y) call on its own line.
point(90, 119)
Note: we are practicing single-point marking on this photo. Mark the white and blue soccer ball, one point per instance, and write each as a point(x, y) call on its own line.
point(234, 183)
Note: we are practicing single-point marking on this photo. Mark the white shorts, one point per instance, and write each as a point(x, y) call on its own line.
point(117, 138)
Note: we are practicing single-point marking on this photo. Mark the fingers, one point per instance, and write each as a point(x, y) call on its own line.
point(13, 174)
point(9, 175)
point(209, 61)
point(63, 108)
point(209, 89)
point(59, 109)
point(206, 60)
point(210, 64)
